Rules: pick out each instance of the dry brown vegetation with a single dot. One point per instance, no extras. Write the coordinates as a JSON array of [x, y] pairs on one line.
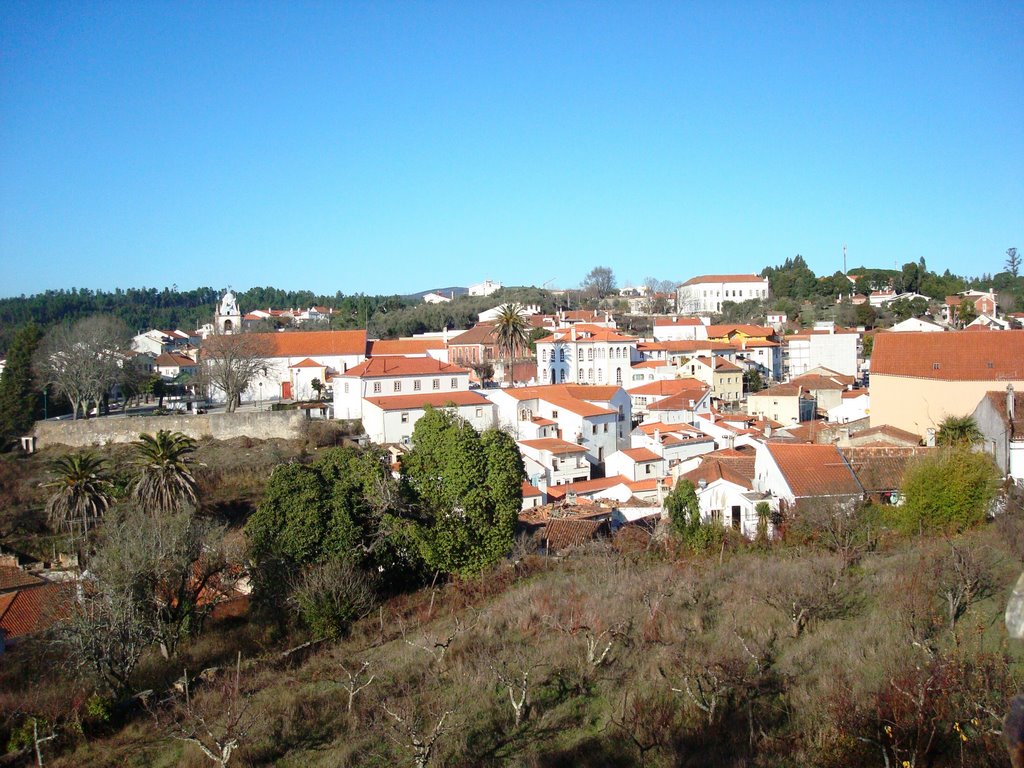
[[824, 652]]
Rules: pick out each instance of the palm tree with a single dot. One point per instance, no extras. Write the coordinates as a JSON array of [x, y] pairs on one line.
[[959, 430], [510, 333], [81, 492], [165, 482]]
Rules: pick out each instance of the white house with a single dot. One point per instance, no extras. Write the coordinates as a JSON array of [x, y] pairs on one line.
[[829, 347], [170, 365], [597, 418], [554, 461], [435, 298], [855, 405], [585, 354], [675, 443], [391, 376], [914, 324], [642, 396], [792, 472], [679, 328], [486, 288], [726, 496], [706, 293], [636, 464], [392, 419]]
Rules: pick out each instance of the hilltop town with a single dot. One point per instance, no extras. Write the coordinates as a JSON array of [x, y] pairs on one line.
[[672, 474]]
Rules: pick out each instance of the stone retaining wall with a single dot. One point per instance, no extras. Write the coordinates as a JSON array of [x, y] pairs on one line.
[[263, 425]]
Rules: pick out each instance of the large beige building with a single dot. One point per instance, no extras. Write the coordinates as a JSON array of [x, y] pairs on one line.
[[918, 379]]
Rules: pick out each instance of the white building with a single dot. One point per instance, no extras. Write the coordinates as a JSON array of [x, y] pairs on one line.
[[678, 328], [228, 318], [831, 347], [706, 294], [595, 417], [552, 461], [486, 288], [392, 419], [726, 495], [435, 298], [585, 354], [390, 376], [855, 405], [636, 464], [916, 324]]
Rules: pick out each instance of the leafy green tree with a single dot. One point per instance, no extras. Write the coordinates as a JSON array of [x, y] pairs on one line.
[[868, 346], [81, 492], [752, 380], [1012, 261], [18, 396], [511, 334], [947, 491], [968, 312], [685, 521], [466, 490], [291, 521], [959, 430], [164, 481], [866, 315]]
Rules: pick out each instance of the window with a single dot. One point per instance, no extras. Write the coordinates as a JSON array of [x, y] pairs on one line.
[[543, 355], [398, 386], [561, 355], [606, 427], [545, 374], [648, 469], [346, 387], [590, 353], [554, 464], [416, 385], [405, 417], [376, 386], [437, 383], [554, 414], [455, 383], [479, 412]]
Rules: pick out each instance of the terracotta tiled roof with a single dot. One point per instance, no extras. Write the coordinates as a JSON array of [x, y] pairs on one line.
[[530, 491], [483, 333], [573, 398], [641, 455], [12, 577], [716, 469], [543, 422], [813, 381], [435, 399], [881, 470], [34, 609], [311, 343], [307, 363], [585, 334], [553, 445], [170, 359], [666, 387], [586, 486], [814, 470], [888, 433], [382, 347], [779, 390], [725, 279], [950, 356], [562, 534], [681, 401], [377, 367]]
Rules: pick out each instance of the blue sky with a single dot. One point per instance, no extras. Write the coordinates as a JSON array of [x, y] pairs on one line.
[[394, 147]]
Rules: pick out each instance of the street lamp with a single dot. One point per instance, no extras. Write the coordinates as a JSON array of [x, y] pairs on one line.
[[261, 395]]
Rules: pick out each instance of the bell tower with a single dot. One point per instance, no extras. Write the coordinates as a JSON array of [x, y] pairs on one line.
[[228, 318]]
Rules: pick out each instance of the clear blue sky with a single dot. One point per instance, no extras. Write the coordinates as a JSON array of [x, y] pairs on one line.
[[383, 147]]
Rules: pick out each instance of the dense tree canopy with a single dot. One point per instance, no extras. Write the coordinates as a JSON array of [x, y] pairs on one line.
[[467, 491], [950, 490], [19, 396]]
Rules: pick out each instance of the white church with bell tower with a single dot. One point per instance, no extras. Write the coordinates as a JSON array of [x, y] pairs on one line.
[[228, 318]]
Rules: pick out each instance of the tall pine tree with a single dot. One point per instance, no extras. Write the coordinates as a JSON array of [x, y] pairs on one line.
[[19, 399]]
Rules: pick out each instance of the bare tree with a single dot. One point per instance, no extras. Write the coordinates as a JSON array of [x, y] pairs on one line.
[[599, 638], [219, 728], [85, 360], [599, 282], [647, 721], [233, 362], [437, 645], [173, 567], [354, 681], [411, 733], [804, 590], [105, 634], [962, 579], [513, 674]]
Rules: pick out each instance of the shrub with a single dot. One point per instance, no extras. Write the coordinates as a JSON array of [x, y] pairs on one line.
[[949, 491], [333, 595]]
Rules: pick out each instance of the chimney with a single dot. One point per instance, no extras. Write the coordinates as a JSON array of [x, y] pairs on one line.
[[929, 439], [730, 441], [572, 331], [844, 437], [657, 436]]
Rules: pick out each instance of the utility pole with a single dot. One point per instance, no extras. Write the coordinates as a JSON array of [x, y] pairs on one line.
[[844, 258]]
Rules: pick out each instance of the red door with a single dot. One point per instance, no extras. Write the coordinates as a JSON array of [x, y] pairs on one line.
[[286, 390]]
